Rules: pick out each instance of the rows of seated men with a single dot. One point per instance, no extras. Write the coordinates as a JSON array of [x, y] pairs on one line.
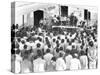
[[38, 50]]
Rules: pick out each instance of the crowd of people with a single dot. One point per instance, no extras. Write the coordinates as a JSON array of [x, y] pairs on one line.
[[40, 50]]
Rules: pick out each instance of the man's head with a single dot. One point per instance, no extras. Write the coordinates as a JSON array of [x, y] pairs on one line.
[[61, 48], [70, 43], [67, 51], [19, 40], [65, 37], [12, 51], [40, 39], [23, 42], [25, 46], [17, 51], [53, 59], [38, 45], [17, 26], [57, 50], [73, 46], [49, 46], [91, 44], [60, 55], [54, 40], [82, 53], [58, 37], [48, 50], [39, 53], [57, 42], [62, 40]]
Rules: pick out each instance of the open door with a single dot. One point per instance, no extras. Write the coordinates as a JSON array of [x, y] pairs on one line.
[[38, 15]]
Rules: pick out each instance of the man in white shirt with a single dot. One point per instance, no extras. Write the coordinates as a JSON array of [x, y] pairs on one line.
[[37, 47], [18, 60], [48, 56], [62, 44], [84, 60], [53, 43], [45, 48], [60, 63], [51, 49], [21, 45], [73, 36], [39, 63], [26, 66], [55, 18], [68, 59], [92, 55], [28, 45], [75, 63], [32, 44]]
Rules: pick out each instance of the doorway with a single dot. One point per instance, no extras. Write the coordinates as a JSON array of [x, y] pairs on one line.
[[38, 15]]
